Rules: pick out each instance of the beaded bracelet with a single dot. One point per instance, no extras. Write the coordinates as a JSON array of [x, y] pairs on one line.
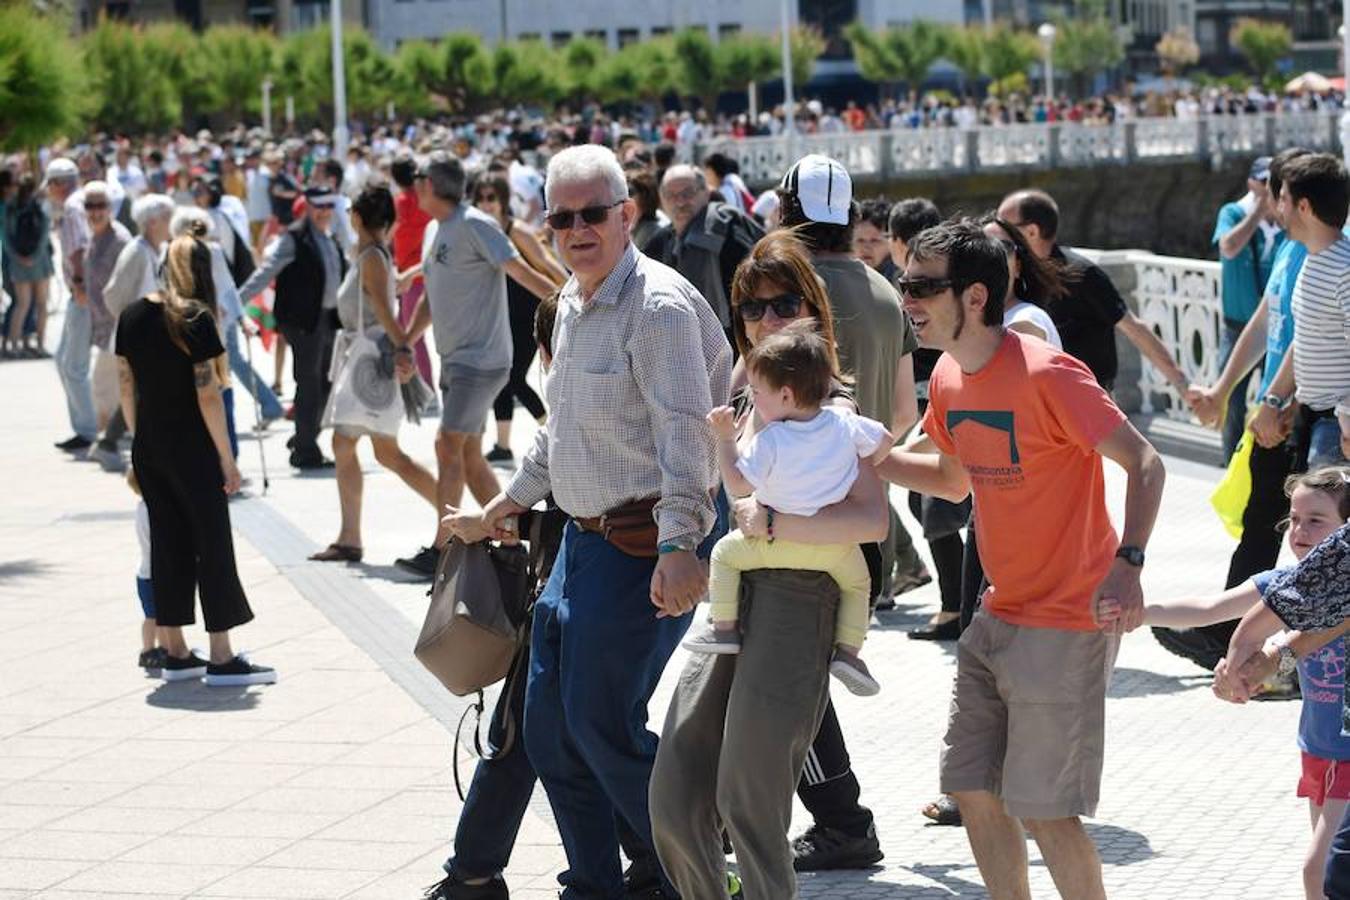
[[768, 513]]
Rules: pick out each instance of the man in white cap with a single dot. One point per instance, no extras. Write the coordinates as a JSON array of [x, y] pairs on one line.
[[875, 342], [73, 352]]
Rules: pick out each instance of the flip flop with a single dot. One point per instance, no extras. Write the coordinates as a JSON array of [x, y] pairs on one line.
[[338, 553], [943, 811]]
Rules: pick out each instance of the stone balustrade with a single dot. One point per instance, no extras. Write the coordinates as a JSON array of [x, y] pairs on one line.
[[925, 152]]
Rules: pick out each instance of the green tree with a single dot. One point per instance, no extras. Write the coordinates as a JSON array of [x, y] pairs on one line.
[[805, 44], [747, 59], [525, 73], [1176, 50], [305, 72], [418, 64], [1087, 44], [905, 53], [581, 61], [1008, 53], [41, 80], [643, 71], [698, 69], [466, 79], [1263, 43], [964, 48], [175, 50], [239, 59], [131, 91]]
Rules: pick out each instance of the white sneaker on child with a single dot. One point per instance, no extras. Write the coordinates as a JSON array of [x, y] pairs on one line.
[[714, 640], [852, 671]]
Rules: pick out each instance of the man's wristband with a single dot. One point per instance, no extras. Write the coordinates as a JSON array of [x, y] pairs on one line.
[[673, 547]]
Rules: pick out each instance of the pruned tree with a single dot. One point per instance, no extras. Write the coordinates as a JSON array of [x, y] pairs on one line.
[[42, 94], [904, 53], [1264, 44]]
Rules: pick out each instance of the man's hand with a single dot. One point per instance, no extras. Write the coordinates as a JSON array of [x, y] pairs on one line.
[[1120, 590], [469, 527], [724, 424], [678, 583], [1271, 426], [1207, 406], [751, 518], [497, 515]]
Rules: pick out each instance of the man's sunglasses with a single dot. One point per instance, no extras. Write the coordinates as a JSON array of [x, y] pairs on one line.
[[563, 220], [95, 205], [923, 288], [785, 306]]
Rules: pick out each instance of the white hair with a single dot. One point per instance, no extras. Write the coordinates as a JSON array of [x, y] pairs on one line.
[[184, 216], [589, 162], [96, 189], [150, 207]]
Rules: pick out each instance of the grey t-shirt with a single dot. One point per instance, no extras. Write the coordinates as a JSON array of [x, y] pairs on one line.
[[466, 288]]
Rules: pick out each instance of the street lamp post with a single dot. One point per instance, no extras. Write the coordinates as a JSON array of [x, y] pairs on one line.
[[1344, 33], [789, 104], [267, 106], [1047, 35], [340, 133]]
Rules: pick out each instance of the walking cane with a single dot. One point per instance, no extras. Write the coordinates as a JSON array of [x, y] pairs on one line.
[[257, 407]]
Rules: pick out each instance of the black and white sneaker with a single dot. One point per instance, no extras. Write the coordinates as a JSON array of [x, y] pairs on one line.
[[76, 444], [182, 669], [152, 660], [237, 672], [500, 454], [421, 564]]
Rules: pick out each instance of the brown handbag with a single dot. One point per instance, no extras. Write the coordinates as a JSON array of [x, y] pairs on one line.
[[631, 528]]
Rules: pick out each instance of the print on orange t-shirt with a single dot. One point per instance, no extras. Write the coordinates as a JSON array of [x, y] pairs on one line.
[[1025, 428]]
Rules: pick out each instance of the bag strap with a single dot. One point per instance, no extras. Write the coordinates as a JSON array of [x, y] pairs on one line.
[[475, 707]]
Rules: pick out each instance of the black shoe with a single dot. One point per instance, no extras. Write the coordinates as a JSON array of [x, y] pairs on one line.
[[422, 563], [452, 888], [175, 669], [75, 444], [152, 660], [238, 672], [498, 453], [947, 631], [309, 463], [820, 848], [642, 879], [1188, 643]]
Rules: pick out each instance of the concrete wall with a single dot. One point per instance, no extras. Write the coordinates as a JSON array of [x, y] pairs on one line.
[[1168, 209]]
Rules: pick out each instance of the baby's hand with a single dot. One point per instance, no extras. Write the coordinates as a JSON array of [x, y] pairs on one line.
[[723, 422]]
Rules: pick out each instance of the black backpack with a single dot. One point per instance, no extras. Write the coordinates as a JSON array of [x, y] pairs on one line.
[[28, 225]]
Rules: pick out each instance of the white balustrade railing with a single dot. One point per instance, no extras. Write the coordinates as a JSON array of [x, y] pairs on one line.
[[879, 155]]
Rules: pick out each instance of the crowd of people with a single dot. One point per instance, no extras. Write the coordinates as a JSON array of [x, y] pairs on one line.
[[733, 381]]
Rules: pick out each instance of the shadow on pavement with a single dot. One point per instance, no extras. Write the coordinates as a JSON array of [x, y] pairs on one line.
[[388, 573], [107, 515], [1119, 846], [197, 697], [1127, 682], [22, 568], [952, 886]]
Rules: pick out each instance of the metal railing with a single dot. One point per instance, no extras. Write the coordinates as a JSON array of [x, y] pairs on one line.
[[884, 155]]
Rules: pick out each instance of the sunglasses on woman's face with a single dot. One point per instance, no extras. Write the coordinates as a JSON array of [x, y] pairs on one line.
[[563, 220], [923, 288], [784, 306]]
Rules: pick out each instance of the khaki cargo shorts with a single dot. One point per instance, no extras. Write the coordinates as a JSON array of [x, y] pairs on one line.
[[1028, 717]]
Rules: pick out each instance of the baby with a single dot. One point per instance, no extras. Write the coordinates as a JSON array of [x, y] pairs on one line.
[[804, 459]]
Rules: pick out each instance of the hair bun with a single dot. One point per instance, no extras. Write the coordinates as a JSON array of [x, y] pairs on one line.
[[197, 229]]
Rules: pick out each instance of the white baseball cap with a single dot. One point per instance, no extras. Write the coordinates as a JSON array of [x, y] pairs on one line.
[[822, 187], [60, 168]]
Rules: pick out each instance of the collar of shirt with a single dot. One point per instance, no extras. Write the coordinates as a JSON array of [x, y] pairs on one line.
[[611, 289]]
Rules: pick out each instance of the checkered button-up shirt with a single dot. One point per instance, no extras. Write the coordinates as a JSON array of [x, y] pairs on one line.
[[636, 368]]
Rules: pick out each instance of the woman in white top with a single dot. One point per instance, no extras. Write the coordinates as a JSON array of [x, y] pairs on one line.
[[1032, 284]]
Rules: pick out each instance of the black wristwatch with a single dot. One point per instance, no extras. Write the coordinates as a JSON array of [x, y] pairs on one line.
[[1132, 555]]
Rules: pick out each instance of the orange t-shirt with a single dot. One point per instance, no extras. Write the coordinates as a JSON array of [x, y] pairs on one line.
[[1026, 427]]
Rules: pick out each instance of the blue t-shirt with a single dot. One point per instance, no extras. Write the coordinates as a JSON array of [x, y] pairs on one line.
[[1321, 678], [1280, 308], [1244, 276]]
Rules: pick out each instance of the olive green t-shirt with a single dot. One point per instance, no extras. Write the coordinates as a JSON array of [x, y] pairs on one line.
[[872, 330]]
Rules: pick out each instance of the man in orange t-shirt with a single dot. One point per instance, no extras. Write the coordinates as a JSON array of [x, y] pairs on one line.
[[410, 224], [1024, 427]]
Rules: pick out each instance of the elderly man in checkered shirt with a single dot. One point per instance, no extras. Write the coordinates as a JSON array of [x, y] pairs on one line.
[[639, 359]]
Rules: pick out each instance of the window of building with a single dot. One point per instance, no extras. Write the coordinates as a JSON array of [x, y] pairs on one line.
[[727, 30], [560, 38], [628, 36], [529, 36], [598, 34], [658, 30], [1207, 35]]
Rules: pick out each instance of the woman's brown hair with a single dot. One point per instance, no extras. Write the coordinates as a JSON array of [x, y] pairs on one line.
[[190, 290], [780, 258], [1042, 281], [1333, 481]]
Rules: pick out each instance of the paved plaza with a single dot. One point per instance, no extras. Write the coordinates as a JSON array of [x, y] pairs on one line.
[[336, 782]]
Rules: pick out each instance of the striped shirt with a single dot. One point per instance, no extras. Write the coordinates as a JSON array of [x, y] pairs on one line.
[[636, 369], [1321, 306]]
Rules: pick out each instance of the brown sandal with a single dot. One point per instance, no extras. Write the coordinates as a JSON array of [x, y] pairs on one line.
[[338, 553]]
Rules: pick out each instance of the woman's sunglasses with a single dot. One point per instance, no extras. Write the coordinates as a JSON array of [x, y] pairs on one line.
[[785, 306], [591, 215]]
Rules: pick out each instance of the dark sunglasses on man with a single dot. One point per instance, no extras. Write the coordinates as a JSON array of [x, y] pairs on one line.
[[923, 288], [785, 306], [95, 204], [563, 219]]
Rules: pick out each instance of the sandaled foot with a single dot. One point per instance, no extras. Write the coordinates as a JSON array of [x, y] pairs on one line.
[[943, 811], [338, 553]]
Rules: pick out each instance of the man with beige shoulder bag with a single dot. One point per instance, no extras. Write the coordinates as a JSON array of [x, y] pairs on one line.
[[639, 359]]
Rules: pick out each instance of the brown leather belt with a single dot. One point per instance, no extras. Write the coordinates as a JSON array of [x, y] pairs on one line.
[[630, 527]]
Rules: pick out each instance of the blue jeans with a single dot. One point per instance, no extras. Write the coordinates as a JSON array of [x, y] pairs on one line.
[[1337, 883], [1324, 443], [72, 364], [251, 380], [597, 653], [1235, 420]]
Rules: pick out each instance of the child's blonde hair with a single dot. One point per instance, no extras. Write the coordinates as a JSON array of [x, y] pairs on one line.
[[1334, 481]]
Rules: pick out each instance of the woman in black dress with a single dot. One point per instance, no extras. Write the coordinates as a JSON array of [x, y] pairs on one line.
[[171, 362]]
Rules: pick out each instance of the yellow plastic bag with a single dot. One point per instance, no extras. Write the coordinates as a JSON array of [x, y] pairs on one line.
[[1235, 488]]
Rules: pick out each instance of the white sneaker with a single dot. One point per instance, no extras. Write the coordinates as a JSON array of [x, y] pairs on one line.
[[852, 671], [713, 640]]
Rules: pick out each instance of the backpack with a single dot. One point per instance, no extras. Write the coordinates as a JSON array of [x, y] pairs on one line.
[[28, 226]]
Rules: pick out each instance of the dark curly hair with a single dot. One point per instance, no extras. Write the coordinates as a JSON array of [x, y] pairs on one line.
[[376, 206]]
